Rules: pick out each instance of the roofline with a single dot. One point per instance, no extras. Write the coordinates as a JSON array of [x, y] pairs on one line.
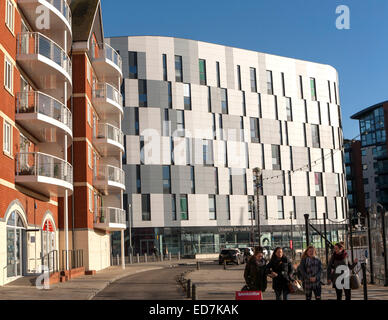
[[223, 45], [357, 115]]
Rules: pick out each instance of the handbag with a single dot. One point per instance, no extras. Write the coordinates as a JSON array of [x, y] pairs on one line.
[[295, 287], [355, 282]]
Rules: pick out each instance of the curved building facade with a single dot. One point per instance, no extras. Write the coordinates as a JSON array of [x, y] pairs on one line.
[[199, 117]]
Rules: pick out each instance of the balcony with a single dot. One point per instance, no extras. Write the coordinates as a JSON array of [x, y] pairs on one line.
[[110, 219], [47, 65], [59, 18], [44, 117], [109, 140], [107, 100], [110, 179], [43, 173], [107, 64]]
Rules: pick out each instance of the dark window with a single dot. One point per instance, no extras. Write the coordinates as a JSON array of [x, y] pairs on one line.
[[251, 208], [202, 72], [187, 96], [230, 181], [318, 184], [301, 87], [239, 77], [216, 184], [335, 92], [224, 101], [212, 207], [136, 121], [209, 100], [315, 135], [253, 79], [269, 82], [164, 58], [313, 89], [218, 74], [166, 123], [227, 205], [244, 104], [207, 152], [169, 93], [184, 207], [283, 85], [276, 157], [178, 69], [138, 179], [254, 130], [132, 65], [173, 207], [143, 93], [146, 207], [289, 109], [259, 105], [313, 208], [166, 179], [181, 123], [280, 208], [192, 179]]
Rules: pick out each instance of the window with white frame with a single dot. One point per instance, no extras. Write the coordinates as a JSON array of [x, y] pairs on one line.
[[10, 15], [90, 200], [8, 74], [88, 72], [89, 115], [7, 138], [90, 156]]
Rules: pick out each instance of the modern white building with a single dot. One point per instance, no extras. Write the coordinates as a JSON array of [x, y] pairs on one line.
[[199, 117]]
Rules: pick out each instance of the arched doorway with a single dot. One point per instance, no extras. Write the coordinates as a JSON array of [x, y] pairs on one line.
[[16, 234], [48, 244]]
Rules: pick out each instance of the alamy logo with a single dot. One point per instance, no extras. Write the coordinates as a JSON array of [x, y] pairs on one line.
[[43, 281], [343, 20], [342, 281], [43, 20]]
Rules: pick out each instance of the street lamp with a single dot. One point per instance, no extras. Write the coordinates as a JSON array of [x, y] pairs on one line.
[[378, 205], [372, 276], [252, 205], [257, 173], [130, 227]]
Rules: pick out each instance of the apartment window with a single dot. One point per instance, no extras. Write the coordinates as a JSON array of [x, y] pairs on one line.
[[95, 165], [166, 179], [259, 105], [301, 87], [138, 179], [218, 74], [224, 101], [90, 200], [192, 179], [164, 60], [173, 207], [188, 151], [8, 75], [169, 93], [283, 85], [133, 69], [7, 138], [318, 184], [280, 208], [253, 79], [251, 208], [184, 207], [313, 202], [241, 129], [335, 92], [221, 127], [212, 207], [269, 82], [239, 77], [89, 72], [146, 207], [137, 127], [143, 93], [202, 72], [254, 130], [227, 206], [207, 152], [90, 158], [181, 123], [178, 69], [10, 16], [166, 123], [216, 184], [209, 100], [187, 96], [315, 135], [329, 88], [313, 89], [89, 115], [289, 109], [230, 181], [275, 157], [244, 104], [172, 146]]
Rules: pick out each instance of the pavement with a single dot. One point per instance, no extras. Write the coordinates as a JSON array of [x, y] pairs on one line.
[[84, 287], [215, 283]]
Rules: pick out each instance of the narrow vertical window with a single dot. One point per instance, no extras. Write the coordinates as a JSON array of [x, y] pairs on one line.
[[181, 123], [137, 127], [280, 208], [230, 181], [221, 127], [239, 77], [289, 109], [301, 87], [166, 123], [209, 99], [187, 96], [164, 60], [251, 208], [254, 130], [224, 101], [192, 179], [313, 201], [169, 93], [7, 138], [184, 207], [166, 179], [242, 129], [227, 206], [8, 75], [253, 79], [318, 184], [188, 151], [283, 85], [138, 179], [269, 82], [244, 104], [335, 92], [173, 207], [178, 69], [10, 15], [216, 184], [329, 88], [259, 105], [218, 74], [212, 207], [146, 207], [276, 157], [133, 69], [315, 135], [313, 89], [143, 93], [202, 72]]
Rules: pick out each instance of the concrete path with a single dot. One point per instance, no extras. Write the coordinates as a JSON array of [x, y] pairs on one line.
[[214, 283], [82, 288]]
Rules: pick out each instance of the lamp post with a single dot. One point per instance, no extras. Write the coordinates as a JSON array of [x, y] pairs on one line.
[[372, 276], [292, 235], [130, 227], [384, 243], [252, 205], [257, 173], [351, 235]]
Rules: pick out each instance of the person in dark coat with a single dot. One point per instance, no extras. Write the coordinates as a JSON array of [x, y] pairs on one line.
[[280, 270], [255, 271], [338, 264], [310, 269]]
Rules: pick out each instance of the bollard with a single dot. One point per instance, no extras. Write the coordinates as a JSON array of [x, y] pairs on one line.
[[161, 257], [138, 257], [364, 280], [130, 258], [145, 258], [179, 255], [224, 264], [118, 259], [154, 255], [169, 256], [188, 289], [194, 294], [198, 266]]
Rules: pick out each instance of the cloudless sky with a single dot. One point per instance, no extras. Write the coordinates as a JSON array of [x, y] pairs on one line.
[[303, 29]]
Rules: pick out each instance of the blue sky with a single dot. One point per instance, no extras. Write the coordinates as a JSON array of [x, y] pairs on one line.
[[303, 29]]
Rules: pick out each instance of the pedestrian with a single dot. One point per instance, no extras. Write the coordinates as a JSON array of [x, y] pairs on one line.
[[339, 265], [310, 269], [255, 271], [280, 270]]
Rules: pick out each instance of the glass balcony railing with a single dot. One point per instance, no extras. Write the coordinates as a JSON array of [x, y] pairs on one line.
[[36, 43], [110, 215], [107, 91], [111, 173], [107, 131], [40, 164], [112, 55], [38, 102], [63, 7]]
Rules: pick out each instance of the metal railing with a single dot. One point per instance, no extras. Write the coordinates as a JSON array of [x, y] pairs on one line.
[[51, 261], [111, 173], [106, 91], [63, 7], [107, 131], [111, 215], [76, 259], [37, 43], [107, 52], [38, 102], [40, 164]]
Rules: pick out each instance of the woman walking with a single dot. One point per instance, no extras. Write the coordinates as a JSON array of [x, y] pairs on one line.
[[255, 271], [280, 270], [339, 264], [310, 269]]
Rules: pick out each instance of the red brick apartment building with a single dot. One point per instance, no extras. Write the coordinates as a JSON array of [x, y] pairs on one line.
[[61, 145]]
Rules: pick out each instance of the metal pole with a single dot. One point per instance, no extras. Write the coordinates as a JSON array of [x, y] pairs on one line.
[[257, 173], [130, 226], [364, 280], [194, 294], [292, 236], [372, 275], [306, 218], [351, 237], [122, 250], [384, 246], [326, 242]]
